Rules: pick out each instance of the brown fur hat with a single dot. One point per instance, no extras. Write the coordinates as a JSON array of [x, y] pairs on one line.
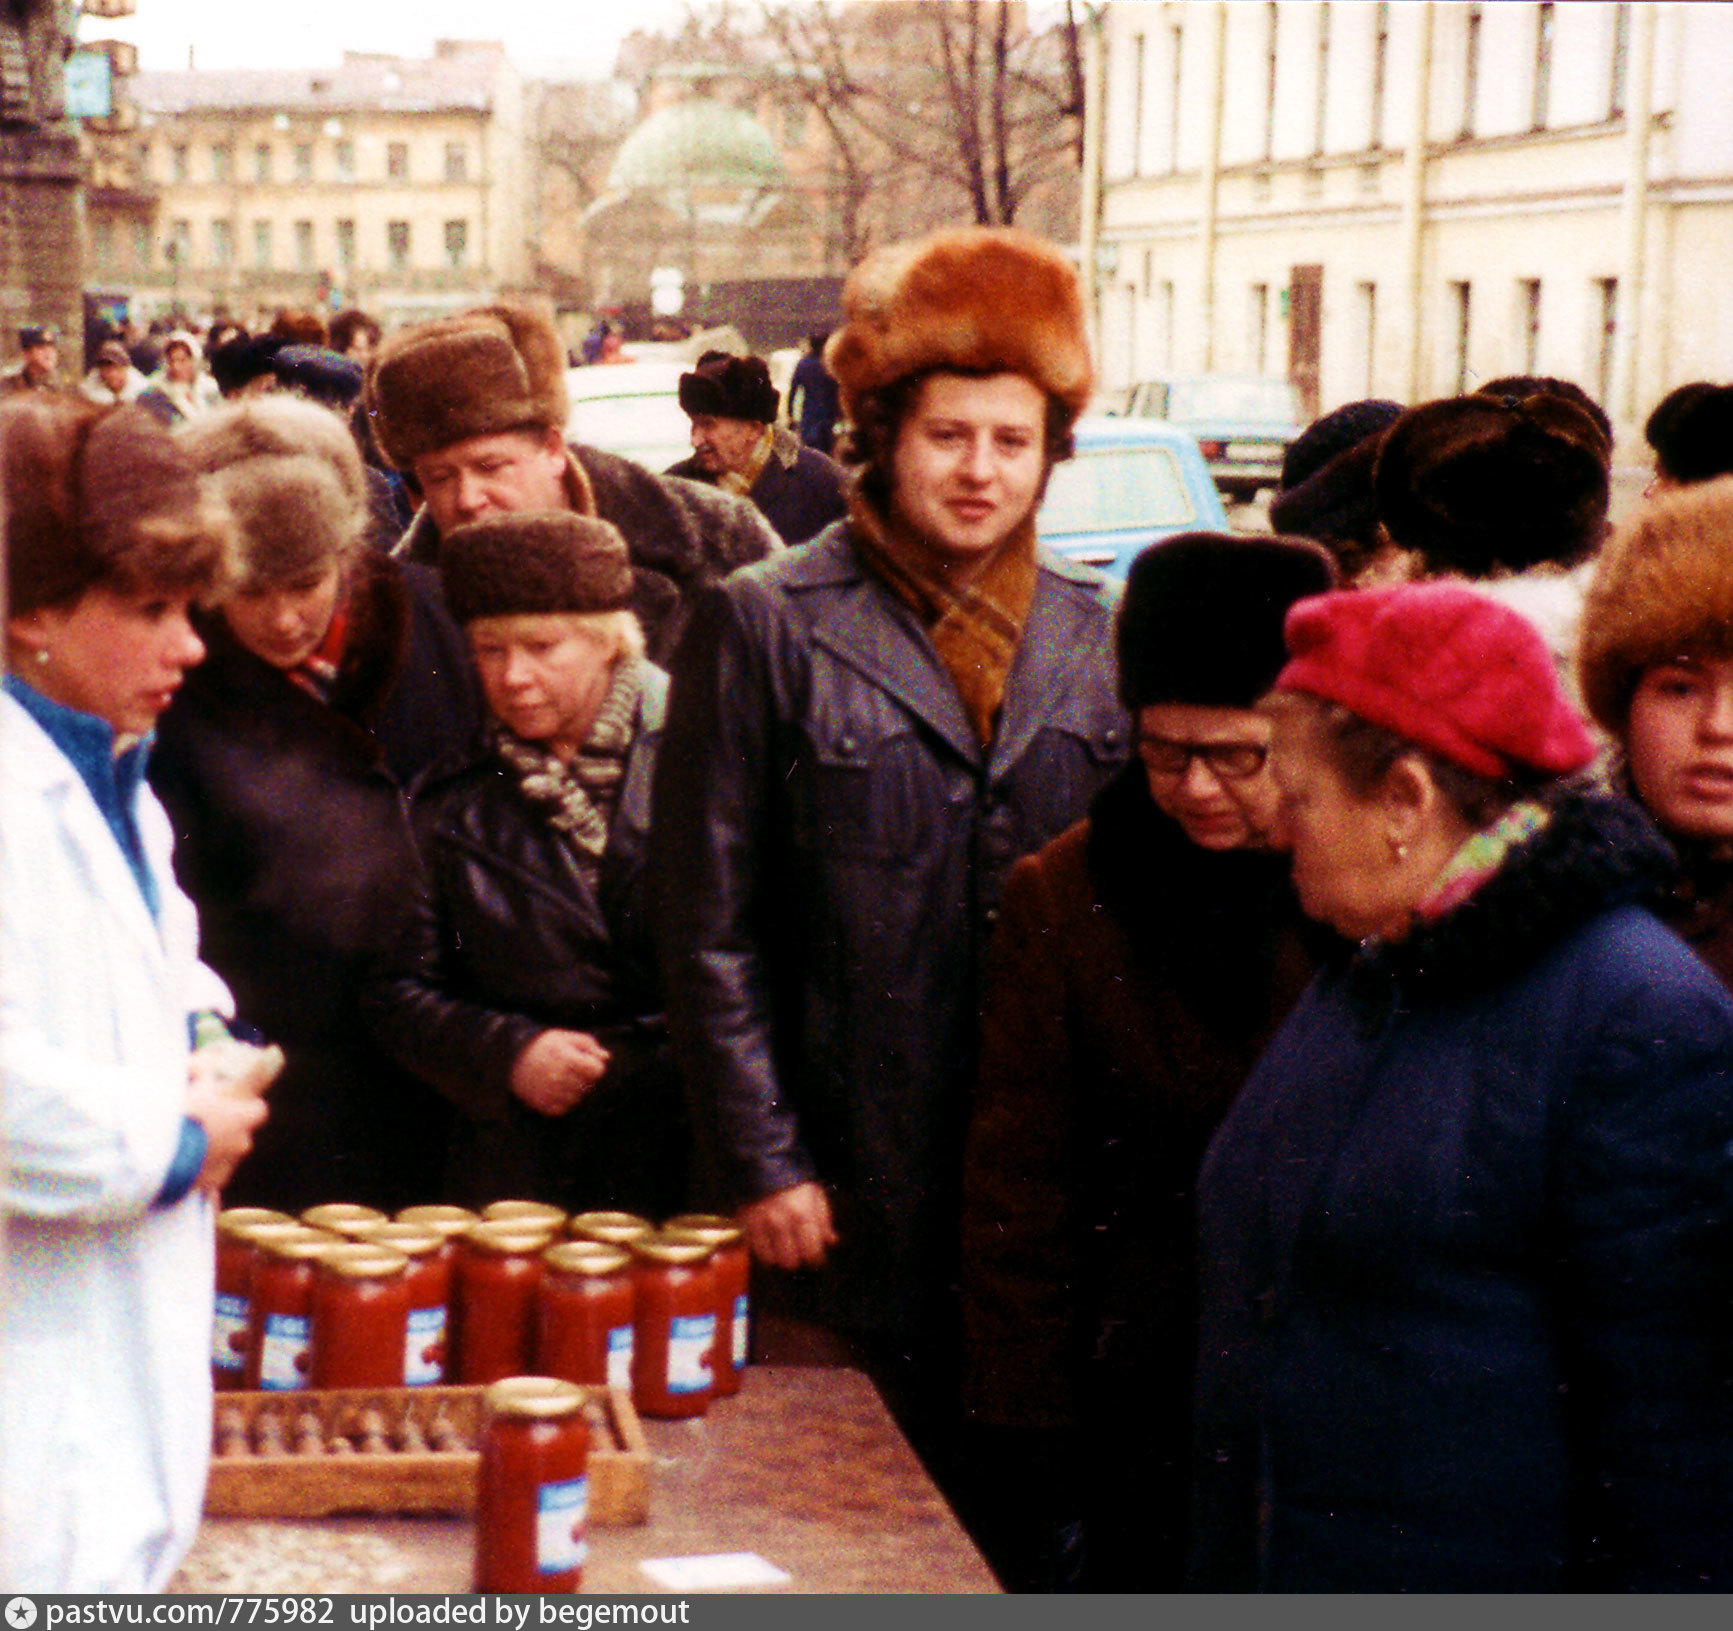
[[1663, 587], [496, 368], [974, 299], [102, 496], [1477, 484], [292, 477], [534, 561]]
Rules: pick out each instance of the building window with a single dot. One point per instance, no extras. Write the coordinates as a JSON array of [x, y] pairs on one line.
[[1148, 274], [457, 244], [397, 161], [262, 162], [1139, 50], [141, 243], [1167, 325], [456, 161], [1321, 99], [345, 158], [222, 163], [1176, 68], [222, 243], [1471, 70], [1380, 69], [1609, 293], [1460, 294], [346, 243], [102, 243], [1368, 297], [1619, 67], [397, 245], [303, 161], [1259, 346], [303, 246], [177, 162], [1528, 308], [179, 249], [1543, 33], [1272, 23], [262, 245]]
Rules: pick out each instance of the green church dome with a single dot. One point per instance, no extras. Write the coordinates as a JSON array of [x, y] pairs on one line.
[[696, 143]]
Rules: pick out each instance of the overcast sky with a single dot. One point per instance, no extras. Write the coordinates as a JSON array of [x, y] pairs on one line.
[[315, 33]]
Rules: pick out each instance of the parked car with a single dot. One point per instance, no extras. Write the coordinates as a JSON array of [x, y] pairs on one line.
[[632, 409], [1244, 423], [1132, 482]]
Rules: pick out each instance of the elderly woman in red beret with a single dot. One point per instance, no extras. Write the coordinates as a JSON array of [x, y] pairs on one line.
[[1464, 1236]]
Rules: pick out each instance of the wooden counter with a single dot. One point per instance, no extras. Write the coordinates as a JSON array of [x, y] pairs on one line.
[[803, 1467]]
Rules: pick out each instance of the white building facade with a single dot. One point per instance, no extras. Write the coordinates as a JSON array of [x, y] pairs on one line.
[[1406, 200]]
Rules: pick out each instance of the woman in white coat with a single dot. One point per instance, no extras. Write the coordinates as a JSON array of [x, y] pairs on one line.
[[117, 1136]]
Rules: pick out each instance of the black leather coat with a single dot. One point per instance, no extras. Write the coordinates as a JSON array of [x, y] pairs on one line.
[[510, 940], [830, 840]]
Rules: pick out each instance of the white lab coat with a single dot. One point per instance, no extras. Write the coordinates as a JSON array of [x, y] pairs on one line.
[[105, 1314]]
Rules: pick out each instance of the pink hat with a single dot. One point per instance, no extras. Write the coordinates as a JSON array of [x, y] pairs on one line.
[[1444, 667]]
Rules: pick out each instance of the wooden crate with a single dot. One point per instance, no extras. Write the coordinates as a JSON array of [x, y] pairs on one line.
[[391, 1465]]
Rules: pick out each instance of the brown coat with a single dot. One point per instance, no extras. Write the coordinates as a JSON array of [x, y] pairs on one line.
[[1133, 982]]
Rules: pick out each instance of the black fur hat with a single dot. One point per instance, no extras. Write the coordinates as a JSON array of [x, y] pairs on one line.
[[1201, 619], [534, 561], [1327, 475], [1691, 431], [729, 387]]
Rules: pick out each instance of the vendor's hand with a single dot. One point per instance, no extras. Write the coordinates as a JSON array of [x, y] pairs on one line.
[[558, 1069], [228, 1102], [791, 1229]]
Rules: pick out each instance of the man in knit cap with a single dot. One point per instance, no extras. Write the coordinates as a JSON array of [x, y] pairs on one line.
[[864, 735], [472, 410]]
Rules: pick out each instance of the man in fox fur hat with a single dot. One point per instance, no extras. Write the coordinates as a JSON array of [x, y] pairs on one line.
[[472, 410], [865, 733]]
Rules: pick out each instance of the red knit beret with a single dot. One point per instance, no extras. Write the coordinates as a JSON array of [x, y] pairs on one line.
[[1444, 667]]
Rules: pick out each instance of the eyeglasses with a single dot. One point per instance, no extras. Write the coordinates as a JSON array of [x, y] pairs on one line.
[[1232, 761]]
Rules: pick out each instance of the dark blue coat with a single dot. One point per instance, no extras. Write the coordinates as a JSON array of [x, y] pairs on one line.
[[800, 490], [1467, 1276]]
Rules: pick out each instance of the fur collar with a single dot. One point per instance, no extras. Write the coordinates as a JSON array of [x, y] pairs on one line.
[[1598, 852]]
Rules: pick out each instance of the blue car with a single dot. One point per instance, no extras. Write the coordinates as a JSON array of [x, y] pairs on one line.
[[1243, 423], [1132, 482]]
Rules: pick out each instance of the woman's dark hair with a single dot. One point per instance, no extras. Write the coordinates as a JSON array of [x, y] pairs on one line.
[[1691, 431], [872, 437], [347, 324], [1364, 753]]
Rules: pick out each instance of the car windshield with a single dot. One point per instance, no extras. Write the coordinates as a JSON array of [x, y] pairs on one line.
[[613, 421], [1271, 400], [1114, 490]]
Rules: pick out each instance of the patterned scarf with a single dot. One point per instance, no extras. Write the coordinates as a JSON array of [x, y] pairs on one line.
[[578, 799], [1480, 856], [974, 625], [743, 480]]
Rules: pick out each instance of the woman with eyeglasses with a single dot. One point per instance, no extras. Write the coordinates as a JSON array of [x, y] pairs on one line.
[[1140, 963]]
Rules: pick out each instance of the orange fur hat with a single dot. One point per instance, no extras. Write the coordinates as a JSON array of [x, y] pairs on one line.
[[975, 299]]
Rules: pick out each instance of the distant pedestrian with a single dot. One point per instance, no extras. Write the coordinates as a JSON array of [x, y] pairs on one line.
[[180, 390], [38, 365], [812, 396], [113, 379]]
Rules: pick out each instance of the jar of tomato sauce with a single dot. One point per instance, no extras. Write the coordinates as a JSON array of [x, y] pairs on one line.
[[732, 1267], [431, 1255], [536, 1212], [532, 1491], [280, 1339], [237, 1257], [360, 1316], [499, 1266], [341, 1217], [611, 1228], [674, 1327], [584, 1313]]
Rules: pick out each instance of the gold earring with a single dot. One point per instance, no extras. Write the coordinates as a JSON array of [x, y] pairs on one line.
[[1398, 850], [42, 657]]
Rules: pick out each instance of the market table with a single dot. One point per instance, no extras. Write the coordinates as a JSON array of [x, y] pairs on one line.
[[803, 1467]]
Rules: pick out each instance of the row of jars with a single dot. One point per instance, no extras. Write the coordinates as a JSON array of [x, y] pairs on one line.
[[347, 1297]]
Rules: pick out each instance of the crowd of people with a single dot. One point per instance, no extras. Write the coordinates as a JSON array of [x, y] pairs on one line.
[[1244, 1060]]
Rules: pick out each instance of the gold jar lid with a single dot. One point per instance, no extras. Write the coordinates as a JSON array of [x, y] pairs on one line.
[[295, 1243], [524, 1212], [542, 1397], [342, 1216], [236, 1222], [519, 1239], [448, 1220], [669, 1246], [586, 1257], [711, 1226], [412, 1239], [613, 1228], [362, 1260]]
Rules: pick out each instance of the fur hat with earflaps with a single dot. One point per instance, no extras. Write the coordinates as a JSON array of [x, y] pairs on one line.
[[494, 369], [980, 300], [1663, 588], [534, 561]]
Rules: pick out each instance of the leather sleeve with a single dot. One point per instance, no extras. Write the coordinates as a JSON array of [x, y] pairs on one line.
[[711, 859]]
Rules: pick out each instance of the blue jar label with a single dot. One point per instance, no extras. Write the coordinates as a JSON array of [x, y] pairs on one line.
[[424, 1347], [283, 1356], [689, 1340], [229, 1332], [561, 1511]]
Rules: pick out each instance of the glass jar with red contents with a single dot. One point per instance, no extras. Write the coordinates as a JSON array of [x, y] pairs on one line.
[[237, 1257], [431, 1255], [539, 1213], [341, 1217], [499, 1266], [360, 1316], [584, 1313], [532, 1490], [280, 1338], [732, 1267], [450, 1221], [611, 1228], [674, 1326]]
